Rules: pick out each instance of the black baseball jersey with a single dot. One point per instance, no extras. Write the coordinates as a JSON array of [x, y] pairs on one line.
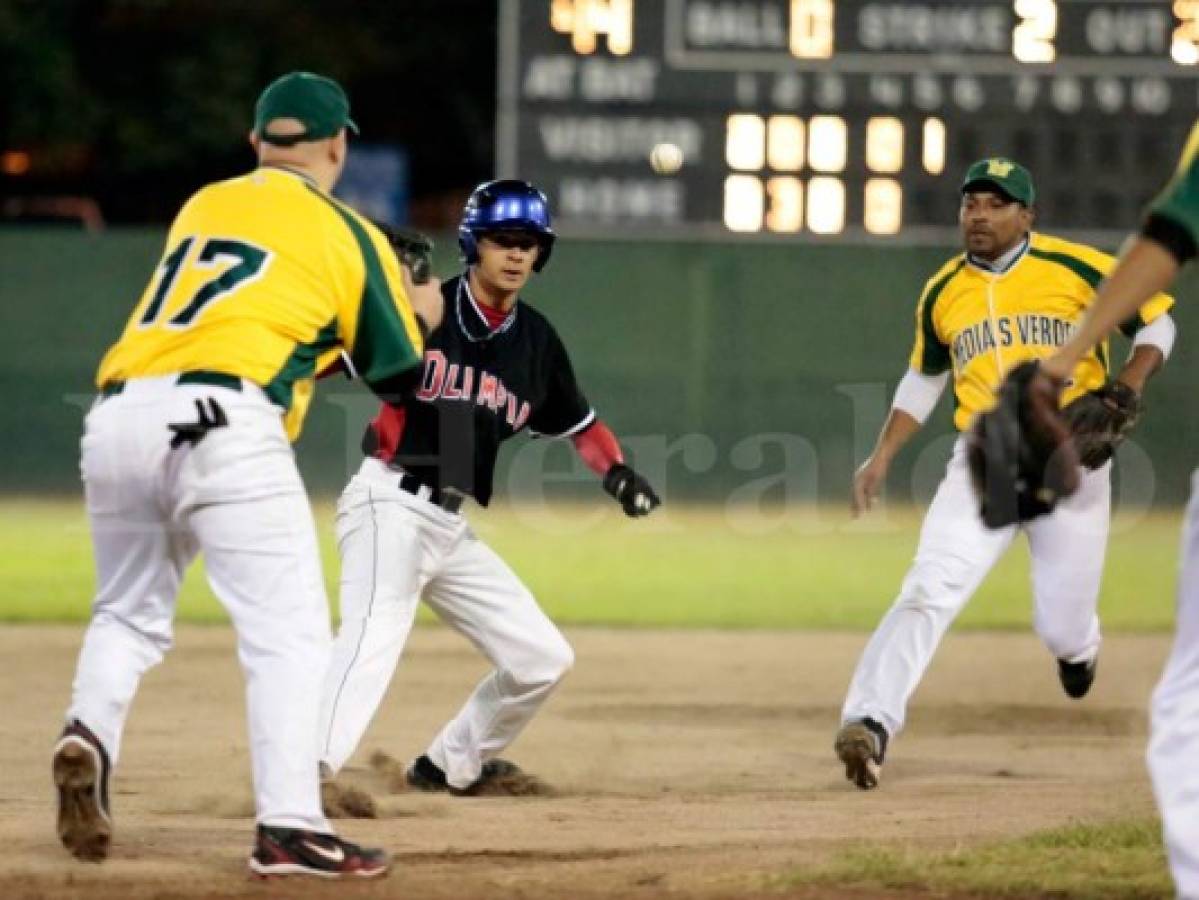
[[478, 388]]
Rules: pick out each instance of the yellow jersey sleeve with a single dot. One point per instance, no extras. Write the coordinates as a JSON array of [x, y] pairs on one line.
[[1153, 308], [375, 320]]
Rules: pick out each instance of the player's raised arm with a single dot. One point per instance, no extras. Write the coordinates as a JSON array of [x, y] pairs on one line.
[[1169, 238], [384, 317]]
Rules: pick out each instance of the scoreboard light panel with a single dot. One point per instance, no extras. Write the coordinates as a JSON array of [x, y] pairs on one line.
[[817, 118]]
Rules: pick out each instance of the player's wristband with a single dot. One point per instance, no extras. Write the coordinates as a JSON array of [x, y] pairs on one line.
[[617, 479]]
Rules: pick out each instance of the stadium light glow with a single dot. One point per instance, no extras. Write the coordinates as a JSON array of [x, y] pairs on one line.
[[933, 149], [785, 214], [785, 143], [884, 144], [883, 206], [828, 142], [744, 203], [745, 142], [826, 205]]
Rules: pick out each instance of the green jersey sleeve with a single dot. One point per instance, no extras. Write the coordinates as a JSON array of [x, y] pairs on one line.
[[1173, 218]]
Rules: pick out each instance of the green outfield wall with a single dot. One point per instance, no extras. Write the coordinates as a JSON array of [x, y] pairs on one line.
[[735, 372]]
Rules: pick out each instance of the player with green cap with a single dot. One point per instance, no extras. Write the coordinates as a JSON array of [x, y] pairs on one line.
[[262, 276], [301, 106], [1005, 176], [1011, 296]]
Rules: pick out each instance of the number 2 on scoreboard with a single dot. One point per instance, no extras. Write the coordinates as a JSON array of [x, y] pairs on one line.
[[1032, 38]]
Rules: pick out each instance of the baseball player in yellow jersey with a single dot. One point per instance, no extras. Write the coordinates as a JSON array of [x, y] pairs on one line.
[[1013, 295], [1168, 240], [186, 450]]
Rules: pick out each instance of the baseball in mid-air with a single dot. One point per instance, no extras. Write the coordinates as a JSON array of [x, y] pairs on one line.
[[666, 159]]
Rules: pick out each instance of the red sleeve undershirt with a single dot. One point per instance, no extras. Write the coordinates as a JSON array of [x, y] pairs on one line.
[[598, 448]]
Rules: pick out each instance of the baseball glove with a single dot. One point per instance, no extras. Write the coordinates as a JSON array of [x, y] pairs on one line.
[[1101, 419], [1020, 454], [415, 250]]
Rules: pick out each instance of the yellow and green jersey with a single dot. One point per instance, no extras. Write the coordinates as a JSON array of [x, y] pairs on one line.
[[261, 276], [980, 324]]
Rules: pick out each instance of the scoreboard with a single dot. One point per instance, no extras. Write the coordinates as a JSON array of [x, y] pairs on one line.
[[839, 118]]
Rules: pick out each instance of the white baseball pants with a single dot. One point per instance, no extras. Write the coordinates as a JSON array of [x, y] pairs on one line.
[[236, 496], [1174, 738], [394, 546], [955, 553]]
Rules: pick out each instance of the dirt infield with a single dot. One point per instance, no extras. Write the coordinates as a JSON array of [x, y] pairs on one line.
[[689, 764]]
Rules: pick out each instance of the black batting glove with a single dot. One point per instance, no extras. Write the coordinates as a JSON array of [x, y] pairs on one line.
[[631, 491]]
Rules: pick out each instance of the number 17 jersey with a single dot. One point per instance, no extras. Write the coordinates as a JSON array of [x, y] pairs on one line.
[[262, 275]]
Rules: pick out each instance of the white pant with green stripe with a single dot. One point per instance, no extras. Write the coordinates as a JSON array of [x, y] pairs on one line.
[[955, 553], [236, 497], [1174, 741]]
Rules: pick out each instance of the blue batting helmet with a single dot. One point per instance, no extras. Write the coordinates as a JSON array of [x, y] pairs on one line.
[[506, 205]]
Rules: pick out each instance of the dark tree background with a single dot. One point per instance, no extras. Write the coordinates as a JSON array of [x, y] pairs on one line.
[[137, 102]]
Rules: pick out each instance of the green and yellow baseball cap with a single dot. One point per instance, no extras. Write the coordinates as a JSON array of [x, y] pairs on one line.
[[1004, 175], [316, 101]]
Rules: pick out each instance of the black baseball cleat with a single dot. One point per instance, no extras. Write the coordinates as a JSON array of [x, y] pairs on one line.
[[1078, 677], [80, 768], [426, 775], [294, 851], [861, 746]]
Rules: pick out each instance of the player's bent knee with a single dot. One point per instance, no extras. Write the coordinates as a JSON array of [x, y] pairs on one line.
[[558, 661], [550, 666], [158, 640], [562, 660], [929, 591]]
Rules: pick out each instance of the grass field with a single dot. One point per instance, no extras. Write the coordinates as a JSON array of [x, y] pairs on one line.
[[1083, 862], [689, 567], [706, 567]]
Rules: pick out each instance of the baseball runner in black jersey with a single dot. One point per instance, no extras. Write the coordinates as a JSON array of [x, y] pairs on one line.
[[494, 367]]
